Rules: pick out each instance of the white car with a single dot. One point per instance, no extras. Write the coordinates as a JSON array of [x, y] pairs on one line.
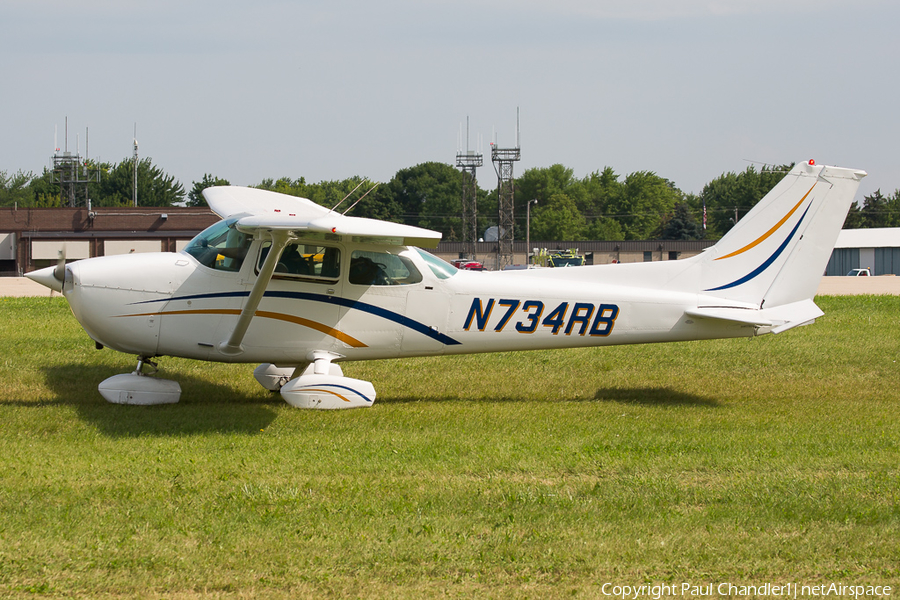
[[859, 273]]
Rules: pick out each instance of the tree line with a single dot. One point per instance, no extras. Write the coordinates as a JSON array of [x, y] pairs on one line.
[[600, 206]]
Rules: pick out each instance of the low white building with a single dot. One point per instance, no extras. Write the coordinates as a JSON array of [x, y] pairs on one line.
[[876, 249]]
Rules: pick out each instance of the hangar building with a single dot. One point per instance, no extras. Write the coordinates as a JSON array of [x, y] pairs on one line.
[[878, 249]]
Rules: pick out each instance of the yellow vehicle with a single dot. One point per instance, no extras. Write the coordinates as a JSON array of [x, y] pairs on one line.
[[565, 258]]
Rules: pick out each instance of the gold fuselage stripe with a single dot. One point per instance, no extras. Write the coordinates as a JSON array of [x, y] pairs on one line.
[[339, 335], [767, 234]]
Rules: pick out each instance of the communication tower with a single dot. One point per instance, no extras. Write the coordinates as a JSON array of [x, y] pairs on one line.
[[469, 161], [71, 171], [503, 159], [134, 169]]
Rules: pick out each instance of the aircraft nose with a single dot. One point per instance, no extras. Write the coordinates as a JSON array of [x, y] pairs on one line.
[[47, 278]]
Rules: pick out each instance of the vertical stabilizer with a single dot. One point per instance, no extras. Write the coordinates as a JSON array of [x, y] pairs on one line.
[[777, 253]]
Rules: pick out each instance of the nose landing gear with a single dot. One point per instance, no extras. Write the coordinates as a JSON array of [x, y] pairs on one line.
[[140, 388]]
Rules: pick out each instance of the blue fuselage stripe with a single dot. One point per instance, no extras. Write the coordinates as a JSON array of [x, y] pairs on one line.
[[344, 302], [768, 261]]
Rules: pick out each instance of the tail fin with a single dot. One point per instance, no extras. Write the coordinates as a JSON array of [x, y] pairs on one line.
[[777, 253]]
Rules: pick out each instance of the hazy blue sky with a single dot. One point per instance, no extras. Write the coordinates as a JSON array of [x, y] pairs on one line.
[[326, 90]]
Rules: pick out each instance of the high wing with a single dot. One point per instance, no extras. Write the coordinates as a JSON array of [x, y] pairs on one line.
[[256, 210]]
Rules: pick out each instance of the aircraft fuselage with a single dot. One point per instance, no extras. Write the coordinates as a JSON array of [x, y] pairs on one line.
[[169, 304]]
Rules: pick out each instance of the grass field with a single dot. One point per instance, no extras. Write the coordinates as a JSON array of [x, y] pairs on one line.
[[525, 475]]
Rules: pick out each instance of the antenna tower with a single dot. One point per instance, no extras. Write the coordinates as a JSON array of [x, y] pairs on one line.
[[469, 161], [134, 169], [71, 170], [503, 159]]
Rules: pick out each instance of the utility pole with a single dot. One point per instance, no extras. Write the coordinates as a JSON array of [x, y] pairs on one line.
[[528, 233]]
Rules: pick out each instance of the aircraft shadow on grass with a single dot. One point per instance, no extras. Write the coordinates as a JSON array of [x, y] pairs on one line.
[[653, 397], [205, 407], [661, 397]]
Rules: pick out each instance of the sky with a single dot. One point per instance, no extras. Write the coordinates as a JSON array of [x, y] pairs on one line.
[[326, 90]]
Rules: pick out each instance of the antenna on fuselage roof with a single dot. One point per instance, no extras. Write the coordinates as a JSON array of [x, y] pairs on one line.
[[360, 198], [348, 195]]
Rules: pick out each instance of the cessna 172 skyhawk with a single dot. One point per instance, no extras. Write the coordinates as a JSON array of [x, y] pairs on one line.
[[300, 288]]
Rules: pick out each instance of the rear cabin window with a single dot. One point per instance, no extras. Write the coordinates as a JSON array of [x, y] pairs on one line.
[[382, 268]]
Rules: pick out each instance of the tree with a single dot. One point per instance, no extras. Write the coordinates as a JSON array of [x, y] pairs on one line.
[[602, 190], [877, 210], [732, 195], [557, 219], [378, 203], [46, 193], [429, 195], [543, 183], [15, 189], [645, 200], [286, 185], [681, 225], [343, 194], [367, 199], [195, 196], [604, 228], [154, 187]]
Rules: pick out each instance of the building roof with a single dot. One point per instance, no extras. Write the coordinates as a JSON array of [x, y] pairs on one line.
[[881, 237]]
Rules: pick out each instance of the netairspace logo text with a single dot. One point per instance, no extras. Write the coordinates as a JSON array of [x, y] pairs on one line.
[[786, 590]]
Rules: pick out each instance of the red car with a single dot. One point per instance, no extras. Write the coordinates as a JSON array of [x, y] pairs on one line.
[[468, 265]]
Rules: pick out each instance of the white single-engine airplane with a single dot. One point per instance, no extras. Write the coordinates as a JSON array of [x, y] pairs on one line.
[[300, 288]]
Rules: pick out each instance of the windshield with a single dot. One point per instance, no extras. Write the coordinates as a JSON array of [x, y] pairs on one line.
[[440, 268], [220, 246]]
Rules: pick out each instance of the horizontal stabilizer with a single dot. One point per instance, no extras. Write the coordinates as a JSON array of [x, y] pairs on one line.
[[734, 315], [775, 320], [792, 315]]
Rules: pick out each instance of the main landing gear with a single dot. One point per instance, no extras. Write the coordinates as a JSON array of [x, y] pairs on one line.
[[321, 385]]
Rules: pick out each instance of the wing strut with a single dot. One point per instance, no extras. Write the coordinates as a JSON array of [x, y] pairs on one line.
[[232, 347]]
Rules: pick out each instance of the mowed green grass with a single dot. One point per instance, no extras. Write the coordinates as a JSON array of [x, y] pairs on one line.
[[533, 474]]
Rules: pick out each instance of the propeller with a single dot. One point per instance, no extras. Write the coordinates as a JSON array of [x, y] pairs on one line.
[[52, 277], [59, 273]]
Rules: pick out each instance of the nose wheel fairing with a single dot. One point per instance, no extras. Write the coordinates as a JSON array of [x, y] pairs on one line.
[[139, 388]]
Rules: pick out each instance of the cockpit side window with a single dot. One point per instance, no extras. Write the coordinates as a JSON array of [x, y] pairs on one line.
[[220, 246], [382, 268], [305, 261]]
